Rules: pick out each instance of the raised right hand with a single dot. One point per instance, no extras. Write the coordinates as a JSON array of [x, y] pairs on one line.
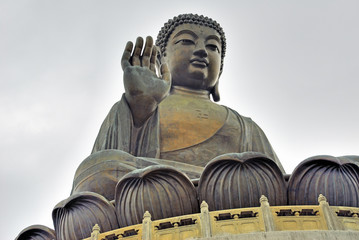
[[144, 90]]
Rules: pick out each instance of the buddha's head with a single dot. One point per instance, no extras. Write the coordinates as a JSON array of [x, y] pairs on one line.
[[194, 47]]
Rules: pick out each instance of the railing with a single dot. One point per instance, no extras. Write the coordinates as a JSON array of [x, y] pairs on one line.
[[236, 221]]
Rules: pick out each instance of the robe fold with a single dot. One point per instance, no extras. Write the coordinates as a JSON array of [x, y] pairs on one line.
[[238, 134]]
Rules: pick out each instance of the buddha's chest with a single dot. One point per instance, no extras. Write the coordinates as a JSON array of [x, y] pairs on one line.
[[186, 121]]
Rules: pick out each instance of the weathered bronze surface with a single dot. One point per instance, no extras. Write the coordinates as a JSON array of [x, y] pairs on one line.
[[74, 217], [163, 191], [36, 232], [238, 180], [101, 171], [169, 115], [337, 178]]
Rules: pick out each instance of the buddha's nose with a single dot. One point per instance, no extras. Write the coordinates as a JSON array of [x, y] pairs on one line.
[[200, 50]]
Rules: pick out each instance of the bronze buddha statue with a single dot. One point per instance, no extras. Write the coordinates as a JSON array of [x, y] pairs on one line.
[[171, 116], [156, 142], [166, 116]]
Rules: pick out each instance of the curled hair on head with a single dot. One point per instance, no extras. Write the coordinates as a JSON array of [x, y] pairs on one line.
[[169, 27]]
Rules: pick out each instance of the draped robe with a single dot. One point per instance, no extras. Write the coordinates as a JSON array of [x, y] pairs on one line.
[[237, 134]]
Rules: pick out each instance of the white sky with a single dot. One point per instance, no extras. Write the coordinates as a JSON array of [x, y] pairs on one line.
[[292, 66]]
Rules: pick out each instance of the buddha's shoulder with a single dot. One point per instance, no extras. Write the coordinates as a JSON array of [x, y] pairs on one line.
[[240, 117]]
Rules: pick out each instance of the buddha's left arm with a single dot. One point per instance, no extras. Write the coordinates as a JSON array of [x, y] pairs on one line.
[[260, 143]]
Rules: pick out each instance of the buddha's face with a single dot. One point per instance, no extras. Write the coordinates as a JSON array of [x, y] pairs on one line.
[[193, 55]]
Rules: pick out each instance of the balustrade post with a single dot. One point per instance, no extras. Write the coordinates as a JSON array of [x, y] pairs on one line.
[[205, 221], [95, 232], [146, 226], [267, 214], [330, 218]]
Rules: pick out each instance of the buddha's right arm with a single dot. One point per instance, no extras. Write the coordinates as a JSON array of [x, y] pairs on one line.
[[116, 132]]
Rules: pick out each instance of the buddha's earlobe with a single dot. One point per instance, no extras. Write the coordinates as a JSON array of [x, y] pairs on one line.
[[215, 92], [159, 57]]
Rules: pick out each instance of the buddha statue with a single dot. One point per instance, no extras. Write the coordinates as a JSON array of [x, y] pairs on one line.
[[156, 141], [166, 146], [170, 115], [166, 115]]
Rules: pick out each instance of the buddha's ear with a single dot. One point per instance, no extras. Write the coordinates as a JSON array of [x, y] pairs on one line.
[[215, 92], [158, 55]]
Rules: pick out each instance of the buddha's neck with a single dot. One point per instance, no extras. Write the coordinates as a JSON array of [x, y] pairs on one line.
[[178, 90]]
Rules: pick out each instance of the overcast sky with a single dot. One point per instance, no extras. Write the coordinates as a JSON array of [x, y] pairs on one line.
[[292, 66]]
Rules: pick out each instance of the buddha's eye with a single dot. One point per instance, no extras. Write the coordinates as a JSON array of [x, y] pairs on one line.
[[212, 47], [185, 41]]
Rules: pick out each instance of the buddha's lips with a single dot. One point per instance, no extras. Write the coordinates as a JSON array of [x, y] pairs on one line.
[[199, 62]]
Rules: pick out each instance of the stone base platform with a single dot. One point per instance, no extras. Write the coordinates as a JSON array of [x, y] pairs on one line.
[[290, 235], [320, 222]]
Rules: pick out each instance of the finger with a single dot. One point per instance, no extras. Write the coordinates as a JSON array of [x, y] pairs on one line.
[[125, 60], [137, 52], [153, 59], [165, 73], [147, 52]]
